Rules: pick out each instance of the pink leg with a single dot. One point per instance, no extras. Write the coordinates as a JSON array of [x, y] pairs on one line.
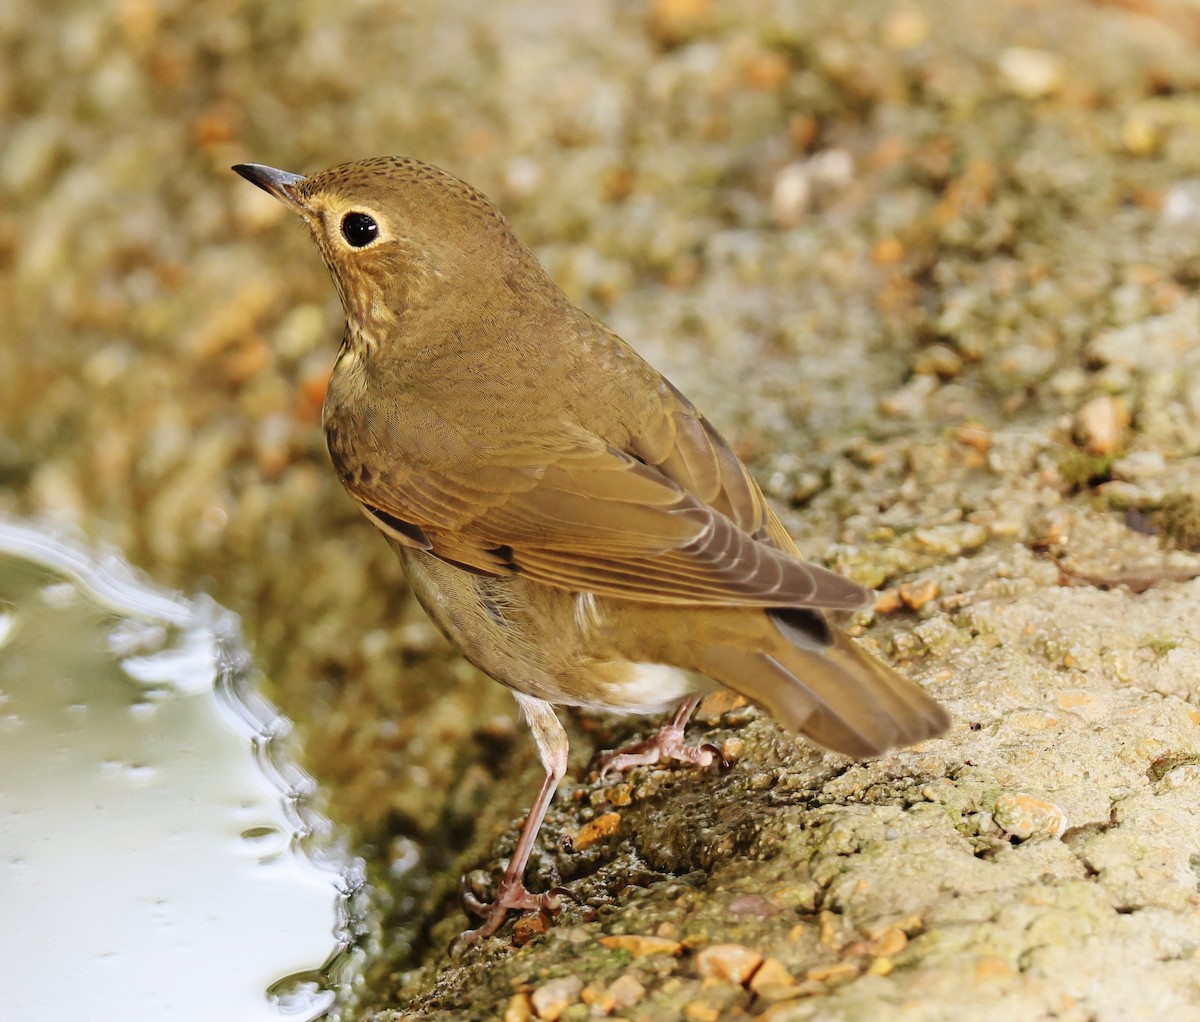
[[512, 894], [665, 743]]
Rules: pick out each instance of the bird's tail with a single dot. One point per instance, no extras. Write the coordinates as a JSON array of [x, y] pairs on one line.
[[816, 680]]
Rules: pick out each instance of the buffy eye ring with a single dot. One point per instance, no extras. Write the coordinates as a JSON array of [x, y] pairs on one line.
[[359, 229]]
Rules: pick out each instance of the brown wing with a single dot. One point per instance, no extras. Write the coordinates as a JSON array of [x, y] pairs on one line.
[[598, 520], [686, 448]]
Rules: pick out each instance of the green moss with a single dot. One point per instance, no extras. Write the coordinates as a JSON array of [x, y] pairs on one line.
[[1081, 470], [1179, 521], [1160, 645]]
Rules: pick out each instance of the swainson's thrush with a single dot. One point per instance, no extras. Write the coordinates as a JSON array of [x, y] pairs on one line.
[[565, 515]]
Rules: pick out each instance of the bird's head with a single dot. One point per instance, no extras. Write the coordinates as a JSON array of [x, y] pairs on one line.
[[397, 234]]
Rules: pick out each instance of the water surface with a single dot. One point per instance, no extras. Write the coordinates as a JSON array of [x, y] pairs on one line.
[[152, 831]]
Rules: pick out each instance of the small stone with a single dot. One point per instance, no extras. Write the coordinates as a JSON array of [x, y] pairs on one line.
[[1100, 424], [830, 936], [887, 601], [939, 360], [1025, 817], [626, 991], [993, 967], [975, 436], [883, 943], [953, 539], [675, 21], [733, 749], [528, 927], [1139, 134], [772, 973], [620, 794], [766, 70], [1030, 73], [791, 195], [733, 963], [551, 999], [698, 1011], [519, 1009], [597, 996], [641, 945], [837, 972], [1140, 466], [888, 942], [595, 830], [887, 251], [752, 905], [910, 399], [716, 704], [904, 28], [915, 595]]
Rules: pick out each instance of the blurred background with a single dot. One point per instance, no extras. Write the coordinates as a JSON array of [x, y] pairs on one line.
[[927, 264]]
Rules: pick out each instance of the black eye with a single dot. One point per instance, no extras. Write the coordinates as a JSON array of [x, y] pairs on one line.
[[359, 229]]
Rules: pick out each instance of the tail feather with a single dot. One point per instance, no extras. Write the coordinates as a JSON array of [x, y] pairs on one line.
[[837, 694]]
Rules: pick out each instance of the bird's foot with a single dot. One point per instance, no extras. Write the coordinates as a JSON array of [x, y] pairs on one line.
[[666, 743], [511, 897]]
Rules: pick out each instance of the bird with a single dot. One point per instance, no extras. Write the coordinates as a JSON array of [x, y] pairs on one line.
[[564, 514]]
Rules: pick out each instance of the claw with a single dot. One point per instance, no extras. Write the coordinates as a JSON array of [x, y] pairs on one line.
[[665, 743], [719, 760], [562, 892], [510, 897], [471, 903]]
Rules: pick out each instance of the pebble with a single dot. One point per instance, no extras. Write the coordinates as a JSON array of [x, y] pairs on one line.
[[599, 998], [975, 436], [752, 905], [772, 973], [910, 399], [951, 540], [734, 963], [887, 601], [1025, 817], [595, 830], [626, 991], [1140, 466], [1030, 73], [1100, 424], [914, 595], [791, 195], [641, 945], [716, 704], [836, 972], [905, 27], [519, 1009], [528, 927], [882, 944], [675, 21], [551, 999]]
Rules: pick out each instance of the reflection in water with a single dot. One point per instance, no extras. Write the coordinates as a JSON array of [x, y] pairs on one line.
[[154, 863]]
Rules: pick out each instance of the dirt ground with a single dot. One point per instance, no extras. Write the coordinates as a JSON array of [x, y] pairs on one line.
[[931, 266]]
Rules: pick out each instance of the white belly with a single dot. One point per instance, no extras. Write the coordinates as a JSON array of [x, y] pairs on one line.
[[654, 688]]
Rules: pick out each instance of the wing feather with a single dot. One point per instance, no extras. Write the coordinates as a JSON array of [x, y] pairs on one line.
[[672, 518]]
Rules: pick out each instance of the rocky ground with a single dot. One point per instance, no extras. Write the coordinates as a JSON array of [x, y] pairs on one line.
[[931, 266]]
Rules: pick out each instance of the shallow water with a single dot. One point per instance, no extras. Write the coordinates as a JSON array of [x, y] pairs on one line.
[[159, 856]]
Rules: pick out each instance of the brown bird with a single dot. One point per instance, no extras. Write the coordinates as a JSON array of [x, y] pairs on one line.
[[565, 516]]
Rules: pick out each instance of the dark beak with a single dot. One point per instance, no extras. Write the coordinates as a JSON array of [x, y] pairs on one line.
[[279, 183]]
